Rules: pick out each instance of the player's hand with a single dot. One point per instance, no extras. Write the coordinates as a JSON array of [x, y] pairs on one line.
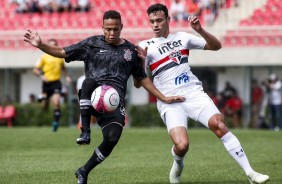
[[142, 53], [174, 99], [43, 78], [32, 37], [195, 23]]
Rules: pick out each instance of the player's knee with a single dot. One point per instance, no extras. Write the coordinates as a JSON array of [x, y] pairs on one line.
[[182, 147], [112, 136], [216, 124], [89, 85], [111, 139]]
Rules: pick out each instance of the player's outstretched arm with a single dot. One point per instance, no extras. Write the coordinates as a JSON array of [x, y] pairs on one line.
[[212, 42], [150, 87], [33, 38]]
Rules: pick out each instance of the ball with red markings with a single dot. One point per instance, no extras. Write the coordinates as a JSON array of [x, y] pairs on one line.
[[105, 99]]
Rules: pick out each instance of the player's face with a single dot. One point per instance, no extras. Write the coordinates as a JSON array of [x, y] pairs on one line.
[[53, 43], [112, 29], [159, 23]]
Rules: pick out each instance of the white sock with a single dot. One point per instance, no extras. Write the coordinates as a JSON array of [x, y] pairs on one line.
[[177, 159], [235, 149]]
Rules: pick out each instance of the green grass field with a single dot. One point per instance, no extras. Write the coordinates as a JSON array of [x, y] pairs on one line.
[[37, 155]]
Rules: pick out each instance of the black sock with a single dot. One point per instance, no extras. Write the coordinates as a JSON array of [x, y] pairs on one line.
[[111, 135], [57, 115]]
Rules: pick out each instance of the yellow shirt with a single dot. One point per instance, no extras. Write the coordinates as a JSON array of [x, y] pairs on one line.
[[51, 67]]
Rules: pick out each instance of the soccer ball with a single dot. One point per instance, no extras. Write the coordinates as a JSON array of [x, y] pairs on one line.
[[105, 99]]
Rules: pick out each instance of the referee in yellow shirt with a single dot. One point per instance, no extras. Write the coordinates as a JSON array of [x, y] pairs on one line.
[[49, 69]]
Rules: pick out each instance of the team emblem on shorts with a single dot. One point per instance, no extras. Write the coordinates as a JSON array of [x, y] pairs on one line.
[[182, 78], [127, 54]]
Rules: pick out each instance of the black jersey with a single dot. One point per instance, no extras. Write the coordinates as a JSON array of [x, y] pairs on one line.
[[106, 63]]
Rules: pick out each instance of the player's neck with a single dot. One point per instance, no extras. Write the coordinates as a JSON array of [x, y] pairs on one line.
[[165, 35], [119, 42]]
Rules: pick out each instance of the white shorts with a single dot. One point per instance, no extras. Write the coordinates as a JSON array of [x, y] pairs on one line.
[[197, 106]]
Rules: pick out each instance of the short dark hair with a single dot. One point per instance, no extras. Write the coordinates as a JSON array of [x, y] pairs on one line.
[[53, 40], [157, 7], [112, 14]]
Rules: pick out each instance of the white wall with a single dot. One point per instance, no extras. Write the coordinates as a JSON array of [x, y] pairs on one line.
[[29, 85], [139, 96]]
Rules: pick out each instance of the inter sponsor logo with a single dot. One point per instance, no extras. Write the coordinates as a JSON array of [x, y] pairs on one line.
[[169, 46], [182, 78]]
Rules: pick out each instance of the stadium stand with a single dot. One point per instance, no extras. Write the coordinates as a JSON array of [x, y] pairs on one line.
[[13, 24], [70, 27], [262, 28]]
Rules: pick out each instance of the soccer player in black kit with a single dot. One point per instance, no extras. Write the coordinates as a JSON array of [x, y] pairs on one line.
[[109, 60]]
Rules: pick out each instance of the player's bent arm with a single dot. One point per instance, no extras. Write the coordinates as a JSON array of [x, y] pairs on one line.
[[137, 83], [150, 87], [36, 72], [34, 39], [212, 42], [52, 50]]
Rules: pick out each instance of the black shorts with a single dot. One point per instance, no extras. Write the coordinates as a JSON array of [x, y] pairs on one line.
[[50, 88], [103, 119]]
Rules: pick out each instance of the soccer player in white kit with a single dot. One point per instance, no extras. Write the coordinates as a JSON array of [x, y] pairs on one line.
[[167, 57]]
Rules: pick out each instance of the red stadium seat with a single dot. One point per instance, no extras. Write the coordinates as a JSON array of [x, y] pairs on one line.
[[7, 114]]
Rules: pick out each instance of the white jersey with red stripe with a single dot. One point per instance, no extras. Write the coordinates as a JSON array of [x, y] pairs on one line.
[[168, 61]]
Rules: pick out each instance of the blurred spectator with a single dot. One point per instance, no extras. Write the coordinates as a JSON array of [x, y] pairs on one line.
[[228, 90], [221, 102], [193, 8], [46, 5], [213, 97], [262, 123], [62, 5], [33, 6], [233, 109], [178, 11], [275, 100], [21, 5], [256, 101], [210, 11], [32, 98], [82, 6]]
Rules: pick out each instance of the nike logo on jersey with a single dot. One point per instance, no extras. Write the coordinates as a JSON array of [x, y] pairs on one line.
[[103, 50]]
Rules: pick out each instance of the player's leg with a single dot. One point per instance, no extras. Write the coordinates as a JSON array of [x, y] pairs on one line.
[[111, 135], [88, 87], [278, 116], [211, 118], [44, 98], [46, 103], [176, 122], [55, 89], [56, 111]]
